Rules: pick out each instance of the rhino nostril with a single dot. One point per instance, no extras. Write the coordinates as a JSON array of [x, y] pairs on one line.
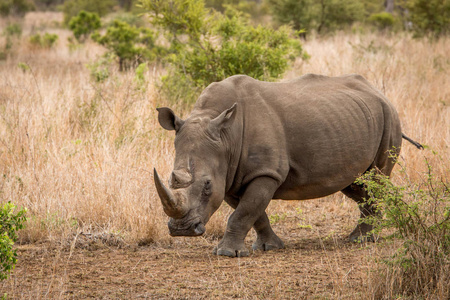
[[199, 229]]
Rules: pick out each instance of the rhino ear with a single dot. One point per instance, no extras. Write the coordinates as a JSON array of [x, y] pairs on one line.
[[224, 120], [168, 120]]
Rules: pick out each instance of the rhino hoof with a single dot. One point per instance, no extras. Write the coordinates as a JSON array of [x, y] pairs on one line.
[[362, 238], [267, 246], [230, 252], [362, 234]]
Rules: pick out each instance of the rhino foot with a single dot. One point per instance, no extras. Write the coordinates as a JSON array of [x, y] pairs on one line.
[[231, 248], [266, 244], [231, 252], [362, 234]]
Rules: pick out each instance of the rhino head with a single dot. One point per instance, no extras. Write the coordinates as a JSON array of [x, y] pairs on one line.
[[198, 181]]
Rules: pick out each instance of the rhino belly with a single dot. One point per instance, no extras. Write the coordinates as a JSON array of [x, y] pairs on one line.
[[328, 186]]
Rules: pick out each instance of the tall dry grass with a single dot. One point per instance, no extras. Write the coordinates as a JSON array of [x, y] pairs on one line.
[[79, 154]]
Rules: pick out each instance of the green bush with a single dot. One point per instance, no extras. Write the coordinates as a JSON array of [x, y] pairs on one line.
[[336, 14], [254, 8], [205, 46], [219, 5], [84, 24], [71, 8], [10, 223], [15, 7], [129, 18], [382, 20], [375, 6], [47, 5], [418, 217], [44, 41], [12, 34], [14, 29], [298, 13], [429, 17], [325, 15], [130, 44], [100, 69], [139, 77]]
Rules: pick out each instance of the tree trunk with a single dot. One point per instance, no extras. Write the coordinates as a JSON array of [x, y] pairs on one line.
[[389, 6]]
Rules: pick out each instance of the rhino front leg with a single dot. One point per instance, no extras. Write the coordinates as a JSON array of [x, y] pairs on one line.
[[250, 208], [266, 239]]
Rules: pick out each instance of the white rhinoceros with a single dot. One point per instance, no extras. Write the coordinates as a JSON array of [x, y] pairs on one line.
[[248, 141]]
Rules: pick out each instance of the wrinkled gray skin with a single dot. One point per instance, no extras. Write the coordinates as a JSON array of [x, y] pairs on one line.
[[248, 141]]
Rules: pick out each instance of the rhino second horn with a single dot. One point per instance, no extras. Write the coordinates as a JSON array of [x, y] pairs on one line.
[[170, 204]]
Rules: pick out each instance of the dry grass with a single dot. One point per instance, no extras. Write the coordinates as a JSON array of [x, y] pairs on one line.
[[80, 155]]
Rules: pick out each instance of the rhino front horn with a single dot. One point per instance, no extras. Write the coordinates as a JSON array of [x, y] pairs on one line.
[[170, 204]]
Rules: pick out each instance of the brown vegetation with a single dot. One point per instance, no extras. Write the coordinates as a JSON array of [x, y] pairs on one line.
[[79, 155]]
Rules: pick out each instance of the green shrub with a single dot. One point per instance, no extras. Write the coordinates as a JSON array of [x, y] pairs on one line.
[[130, 44], [84, 24], [429, 17], [14, 29], [325, 15], [15, 7], [255, 8], [44, 41], [24, 67], [382, 20], [12, 34], [205, 46], [10, 223], [100, 69], [298, 13], [139, 77], [375, 6], [71, 8], [219, 5], [418, 217], [337, 14], [47, 5], [129, 18]]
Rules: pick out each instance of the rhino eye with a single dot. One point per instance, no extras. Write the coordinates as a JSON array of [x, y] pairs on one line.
[[207, 188]]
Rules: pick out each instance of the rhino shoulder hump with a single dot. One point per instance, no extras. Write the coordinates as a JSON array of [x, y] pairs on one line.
[[357, 77], [312, 76]]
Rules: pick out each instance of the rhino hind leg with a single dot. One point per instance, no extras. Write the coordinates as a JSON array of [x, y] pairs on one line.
[[362, 231]]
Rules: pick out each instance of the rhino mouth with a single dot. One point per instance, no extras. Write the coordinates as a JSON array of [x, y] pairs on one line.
[[183, 228]]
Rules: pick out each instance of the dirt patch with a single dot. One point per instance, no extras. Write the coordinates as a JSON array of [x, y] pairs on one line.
[[311, 267]]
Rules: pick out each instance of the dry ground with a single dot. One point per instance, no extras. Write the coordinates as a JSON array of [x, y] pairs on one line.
[[79, 155], [317, 263]]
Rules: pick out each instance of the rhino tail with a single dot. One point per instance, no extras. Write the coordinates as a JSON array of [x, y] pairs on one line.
[[418, 145]]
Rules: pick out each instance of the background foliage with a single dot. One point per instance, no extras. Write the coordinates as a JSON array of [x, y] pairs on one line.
[[429, 17], [10, 223], [192, 43], [417, 216], [130, 44], [84, 24], [207, 46], [71, 8], [15, 7]]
